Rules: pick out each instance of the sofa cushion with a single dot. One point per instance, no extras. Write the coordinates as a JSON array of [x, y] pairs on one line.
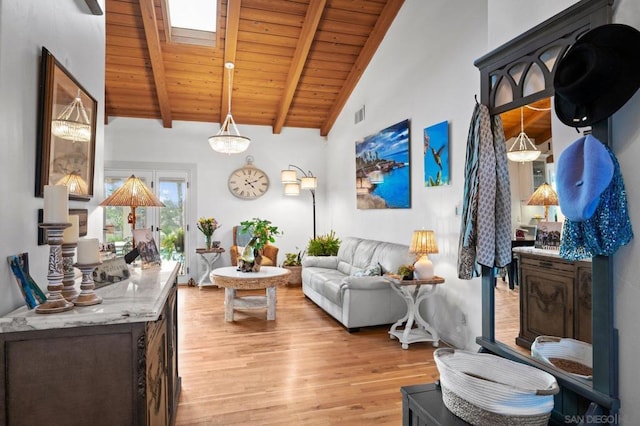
[[324, 281]]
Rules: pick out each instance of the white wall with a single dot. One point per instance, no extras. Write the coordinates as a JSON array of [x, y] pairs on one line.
[[76, 38], [147, 142], [430, 79]]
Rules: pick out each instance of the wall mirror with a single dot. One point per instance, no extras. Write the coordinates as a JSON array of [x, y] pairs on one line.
[[520, 73], [66, 132]]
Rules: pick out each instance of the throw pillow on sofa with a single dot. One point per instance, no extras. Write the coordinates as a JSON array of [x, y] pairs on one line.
[[370, 271]]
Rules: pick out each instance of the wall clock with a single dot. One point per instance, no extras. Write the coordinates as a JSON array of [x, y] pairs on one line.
[[248, 182]]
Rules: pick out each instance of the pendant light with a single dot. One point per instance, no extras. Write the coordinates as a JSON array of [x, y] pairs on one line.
[[228, 139], [73, 122], [522, 149]]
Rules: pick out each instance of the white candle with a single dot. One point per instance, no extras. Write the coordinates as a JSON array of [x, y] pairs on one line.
[[56, 204], [71, 234], [88, 251]]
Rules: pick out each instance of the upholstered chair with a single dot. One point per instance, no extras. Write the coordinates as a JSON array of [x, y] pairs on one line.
[[241, 239]]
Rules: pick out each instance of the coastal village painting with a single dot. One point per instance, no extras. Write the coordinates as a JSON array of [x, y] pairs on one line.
[[383, 169], [436, 154]]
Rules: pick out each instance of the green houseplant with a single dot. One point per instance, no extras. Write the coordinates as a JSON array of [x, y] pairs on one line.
[[406, 271], [324, 245], [293, 262]]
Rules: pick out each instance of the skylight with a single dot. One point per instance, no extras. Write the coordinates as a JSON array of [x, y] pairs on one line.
[[193, 14]]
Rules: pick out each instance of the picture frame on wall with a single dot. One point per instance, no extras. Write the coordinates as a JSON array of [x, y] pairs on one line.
[[383, 169], [66, 132], [147, 248], [83, 218], [436, 154]]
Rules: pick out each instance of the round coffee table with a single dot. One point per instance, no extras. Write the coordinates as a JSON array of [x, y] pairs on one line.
[[269, 277]]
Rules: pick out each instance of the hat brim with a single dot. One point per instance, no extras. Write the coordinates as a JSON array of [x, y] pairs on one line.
[[625, 41]]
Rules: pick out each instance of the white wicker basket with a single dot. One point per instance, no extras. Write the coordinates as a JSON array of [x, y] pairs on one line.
[[546, 347], [485, 389]]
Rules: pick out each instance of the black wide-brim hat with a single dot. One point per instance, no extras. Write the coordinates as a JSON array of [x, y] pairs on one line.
[[597, 75]]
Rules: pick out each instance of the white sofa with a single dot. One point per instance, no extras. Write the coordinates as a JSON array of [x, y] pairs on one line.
[[336, 284]]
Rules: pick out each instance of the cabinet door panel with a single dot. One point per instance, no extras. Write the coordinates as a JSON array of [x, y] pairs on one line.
[[583, 305], [549, 301], [157, 407]]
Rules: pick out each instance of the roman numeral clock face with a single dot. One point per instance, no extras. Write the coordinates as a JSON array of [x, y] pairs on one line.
[[248, 183]]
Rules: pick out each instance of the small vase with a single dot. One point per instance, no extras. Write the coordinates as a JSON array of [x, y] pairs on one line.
[[207, 242]]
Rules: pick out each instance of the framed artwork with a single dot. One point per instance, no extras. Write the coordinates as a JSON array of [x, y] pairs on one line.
[[548, 235], [436, 154], [32, 294], [83, 216], [66, 132], [110, 271], [383, 169], [147, 248]]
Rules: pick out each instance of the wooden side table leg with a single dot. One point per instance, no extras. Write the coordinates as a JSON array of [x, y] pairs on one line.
[[271, 303], [229, 298]]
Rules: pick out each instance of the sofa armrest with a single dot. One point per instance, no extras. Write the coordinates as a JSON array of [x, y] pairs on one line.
[[364, 283], [328, 262]]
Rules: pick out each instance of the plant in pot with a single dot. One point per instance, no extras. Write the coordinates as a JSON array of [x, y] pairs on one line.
[[406, 271], [324, 245], [263, 232], [293, 262]]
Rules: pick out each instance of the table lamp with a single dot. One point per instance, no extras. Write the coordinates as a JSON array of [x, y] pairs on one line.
[[422, 243], [544, 196], [133, 193]]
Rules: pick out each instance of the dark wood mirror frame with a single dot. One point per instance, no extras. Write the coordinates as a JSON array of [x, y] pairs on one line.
[[56, 157], [558, 32]]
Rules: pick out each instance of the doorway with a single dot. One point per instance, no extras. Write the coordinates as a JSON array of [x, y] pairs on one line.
[[168, 225]]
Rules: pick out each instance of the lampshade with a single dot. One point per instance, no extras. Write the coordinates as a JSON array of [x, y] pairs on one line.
[[291, 189], [288, 176], [522, 149], [75, 183], [544, 196], [228, 140], [423, 242], [133, 193], [73, 122], [308, 182]]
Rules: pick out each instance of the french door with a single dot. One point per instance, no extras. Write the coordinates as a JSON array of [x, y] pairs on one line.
[[168, 224]]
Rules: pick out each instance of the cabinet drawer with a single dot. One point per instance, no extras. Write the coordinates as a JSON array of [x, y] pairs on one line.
[[548, 264]]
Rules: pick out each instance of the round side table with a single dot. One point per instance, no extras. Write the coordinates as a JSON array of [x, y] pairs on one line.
[[209, 257]]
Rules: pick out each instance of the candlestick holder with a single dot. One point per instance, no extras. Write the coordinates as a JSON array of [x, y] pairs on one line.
[[55, 301], [87, 295], [69, 291]]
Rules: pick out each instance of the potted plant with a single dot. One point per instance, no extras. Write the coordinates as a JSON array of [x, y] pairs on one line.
[[207, 225], [324, 245], [263, 233], [293, 262], [406, 271]]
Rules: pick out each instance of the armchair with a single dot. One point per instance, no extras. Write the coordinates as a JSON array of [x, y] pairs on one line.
[[241, 238]]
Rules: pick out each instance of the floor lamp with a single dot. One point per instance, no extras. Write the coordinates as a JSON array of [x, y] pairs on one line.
[[544, 196], [133, 193], [293, 184]]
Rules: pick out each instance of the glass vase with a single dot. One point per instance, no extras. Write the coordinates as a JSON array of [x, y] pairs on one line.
[[207, 242]]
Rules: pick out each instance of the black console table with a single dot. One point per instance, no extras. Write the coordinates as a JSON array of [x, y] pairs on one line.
[[422, 406]]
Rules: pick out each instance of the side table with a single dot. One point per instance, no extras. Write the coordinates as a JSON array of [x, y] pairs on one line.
[[213, 255], [410, 292]]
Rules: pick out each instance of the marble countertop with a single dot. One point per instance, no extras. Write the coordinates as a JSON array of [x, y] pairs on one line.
[[140, 298], [543, 252]]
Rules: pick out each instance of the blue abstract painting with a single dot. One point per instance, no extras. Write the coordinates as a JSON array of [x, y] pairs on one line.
[[383, 174], [436, 154]]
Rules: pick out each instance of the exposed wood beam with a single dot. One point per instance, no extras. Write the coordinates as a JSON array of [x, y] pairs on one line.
[[94, 7], [383, 23], [309, 28], [230, 46], [147, 9]]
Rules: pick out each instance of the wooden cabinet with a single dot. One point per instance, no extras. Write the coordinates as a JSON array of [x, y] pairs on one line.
[[115, 373], [555, 297]]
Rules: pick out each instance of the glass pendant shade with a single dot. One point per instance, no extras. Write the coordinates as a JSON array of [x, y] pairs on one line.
[[522, 149], [73, 123], [228, 140]]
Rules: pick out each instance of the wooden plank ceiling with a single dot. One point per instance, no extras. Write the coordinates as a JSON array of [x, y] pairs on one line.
[[296, 61], [536, 121]]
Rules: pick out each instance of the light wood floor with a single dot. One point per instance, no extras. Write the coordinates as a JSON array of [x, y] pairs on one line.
[[301, 369]]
